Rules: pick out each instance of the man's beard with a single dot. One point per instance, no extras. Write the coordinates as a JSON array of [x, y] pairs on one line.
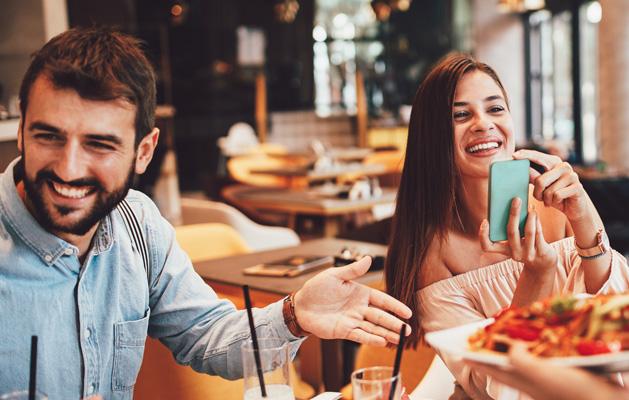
[[105, 201]]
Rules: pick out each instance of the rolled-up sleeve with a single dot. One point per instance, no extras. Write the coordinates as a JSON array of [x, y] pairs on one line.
[[187, 316]]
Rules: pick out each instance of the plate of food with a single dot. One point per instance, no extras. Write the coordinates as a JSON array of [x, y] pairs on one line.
[[589, 332]]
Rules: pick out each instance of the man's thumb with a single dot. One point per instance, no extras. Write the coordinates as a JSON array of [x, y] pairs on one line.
[[354, 270]]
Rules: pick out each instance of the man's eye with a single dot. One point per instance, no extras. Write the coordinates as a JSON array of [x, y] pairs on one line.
[[51, 137], [100, 146]]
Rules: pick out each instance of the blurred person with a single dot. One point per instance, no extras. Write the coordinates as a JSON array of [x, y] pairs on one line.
[[441, 262], [70, 271], [543, 380]]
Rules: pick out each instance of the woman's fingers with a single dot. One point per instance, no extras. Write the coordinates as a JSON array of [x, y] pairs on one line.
[[540, 241], [513, 229], [487, 245], [529, 236], [565, 180]]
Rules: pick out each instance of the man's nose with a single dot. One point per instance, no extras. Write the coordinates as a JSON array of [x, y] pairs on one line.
[[71, 163]]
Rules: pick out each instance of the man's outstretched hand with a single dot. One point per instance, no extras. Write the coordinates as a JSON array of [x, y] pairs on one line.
[[332, 306]]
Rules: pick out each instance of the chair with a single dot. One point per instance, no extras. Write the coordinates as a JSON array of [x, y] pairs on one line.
[[240, 167], [160, 376], [257, 237], [210, 240]]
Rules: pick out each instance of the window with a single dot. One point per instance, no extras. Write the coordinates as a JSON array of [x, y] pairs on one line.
[[561, 73]]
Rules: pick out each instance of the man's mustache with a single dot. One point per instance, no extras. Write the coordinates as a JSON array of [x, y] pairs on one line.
[[49, 175]]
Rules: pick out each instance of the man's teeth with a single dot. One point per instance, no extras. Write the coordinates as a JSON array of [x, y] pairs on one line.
[[483, 146], [71, 192]]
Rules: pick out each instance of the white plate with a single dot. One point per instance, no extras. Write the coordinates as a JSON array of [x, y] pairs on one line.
[[453, 342]]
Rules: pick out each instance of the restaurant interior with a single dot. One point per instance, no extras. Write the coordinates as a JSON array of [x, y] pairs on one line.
[[284, 126]]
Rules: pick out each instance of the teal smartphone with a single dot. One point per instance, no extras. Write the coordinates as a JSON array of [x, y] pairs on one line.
[[507, 180]]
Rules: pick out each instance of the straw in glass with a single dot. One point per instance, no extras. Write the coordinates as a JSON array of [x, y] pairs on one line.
[[398, 360], [32, 382], [254, 339]]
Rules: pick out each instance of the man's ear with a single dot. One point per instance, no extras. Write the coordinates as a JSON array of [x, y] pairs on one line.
[[146, 148], [20, 136]]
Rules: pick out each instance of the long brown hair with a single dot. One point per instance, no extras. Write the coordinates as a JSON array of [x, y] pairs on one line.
[[426, 197]]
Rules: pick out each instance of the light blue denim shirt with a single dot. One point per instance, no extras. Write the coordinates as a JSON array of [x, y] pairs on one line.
[[92, 319]]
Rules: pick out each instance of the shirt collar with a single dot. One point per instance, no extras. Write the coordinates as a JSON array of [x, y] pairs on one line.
[[43, 243]]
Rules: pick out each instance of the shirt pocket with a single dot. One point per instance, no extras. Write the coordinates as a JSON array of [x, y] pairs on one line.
[[129, 339]]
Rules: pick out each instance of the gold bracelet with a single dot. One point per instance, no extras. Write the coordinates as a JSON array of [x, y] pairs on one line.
[[290, 319]]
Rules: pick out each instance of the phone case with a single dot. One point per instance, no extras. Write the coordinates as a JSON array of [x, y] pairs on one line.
[[507, 180]]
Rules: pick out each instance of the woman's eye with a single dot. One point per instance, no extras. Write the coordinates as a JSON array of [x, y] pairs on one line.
[[460, 114], [496, 109]]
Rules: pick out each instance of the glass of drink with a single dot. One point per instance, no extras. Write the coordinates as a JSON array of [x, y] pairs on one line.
[[274, 359], [22, 395], [375, 383]]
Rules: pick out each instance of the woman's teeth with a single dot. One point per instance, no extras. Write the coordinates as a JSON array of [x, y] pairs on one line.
[[70, 191], [483, 146]]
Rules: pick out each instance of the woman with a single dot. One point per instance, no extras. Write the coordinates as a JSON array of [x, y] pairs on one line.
[[441, 262]]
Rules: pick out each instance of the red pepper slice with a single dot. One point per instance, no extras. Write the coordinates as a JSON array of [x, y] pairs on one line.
[[523, 332], [592, 347]]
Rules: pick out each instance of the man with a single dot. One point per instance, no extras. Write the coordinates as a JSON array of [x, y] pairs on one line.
[[70, 271]]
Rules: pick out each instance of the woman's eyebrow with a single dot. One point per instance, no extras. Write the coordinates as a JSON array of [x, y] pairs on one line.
[[486, 99]]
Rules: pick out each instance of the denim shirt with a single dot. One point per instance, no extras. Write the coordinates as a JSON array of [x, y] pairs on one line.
[[92, 319]]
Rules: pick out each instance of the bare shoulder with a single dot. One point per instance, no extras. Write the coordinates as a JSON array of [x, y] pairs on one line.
[[434, 267], [554, 223]]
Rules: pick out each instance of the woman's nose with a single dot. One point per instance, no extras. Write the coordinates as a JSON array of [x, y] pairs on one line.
[[482, 123]]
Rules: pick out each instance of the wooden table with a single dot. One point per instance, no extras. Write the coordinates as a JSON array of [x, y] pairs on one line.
[[225, 276], [307, 202], [297, 174]]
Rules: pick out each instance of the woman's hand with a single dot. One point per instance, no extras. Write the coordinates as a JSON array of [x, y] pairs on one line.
[[545, 381], [559, 186], [532, 250]]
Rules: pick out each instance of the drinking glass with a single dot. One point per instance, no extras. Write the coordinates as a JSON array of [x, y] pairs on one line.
[[374, 383], [22, 395], [274, 359]]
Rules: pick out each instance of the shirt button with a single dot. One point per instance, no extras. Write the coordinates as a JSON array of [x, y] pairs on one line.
[[91, 389], [48, 258], [68, 252], [88, 333]]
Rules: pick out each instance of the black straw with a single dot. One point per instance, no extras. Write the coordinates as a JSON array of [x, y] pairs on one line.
[[398, 360], [254, 339], [32, 382]]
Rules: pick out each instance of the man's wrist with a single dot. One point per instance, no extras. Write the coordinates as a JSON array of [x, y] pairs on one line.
[[290, 318]]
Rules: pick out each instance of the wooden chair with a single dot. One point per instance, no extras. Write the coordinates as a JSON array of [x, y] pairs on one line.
[[239, 168], [160, 376]]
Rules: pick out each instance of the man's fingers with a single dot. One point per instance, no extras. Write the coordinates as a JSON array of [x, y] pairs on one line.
[[353, 270], [389, 336], [385, 302], [360, 336], [387, 321]]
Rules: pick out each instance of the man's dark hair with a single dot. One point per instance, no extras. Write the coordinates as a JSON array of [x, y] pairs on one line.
[[99, 64]]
